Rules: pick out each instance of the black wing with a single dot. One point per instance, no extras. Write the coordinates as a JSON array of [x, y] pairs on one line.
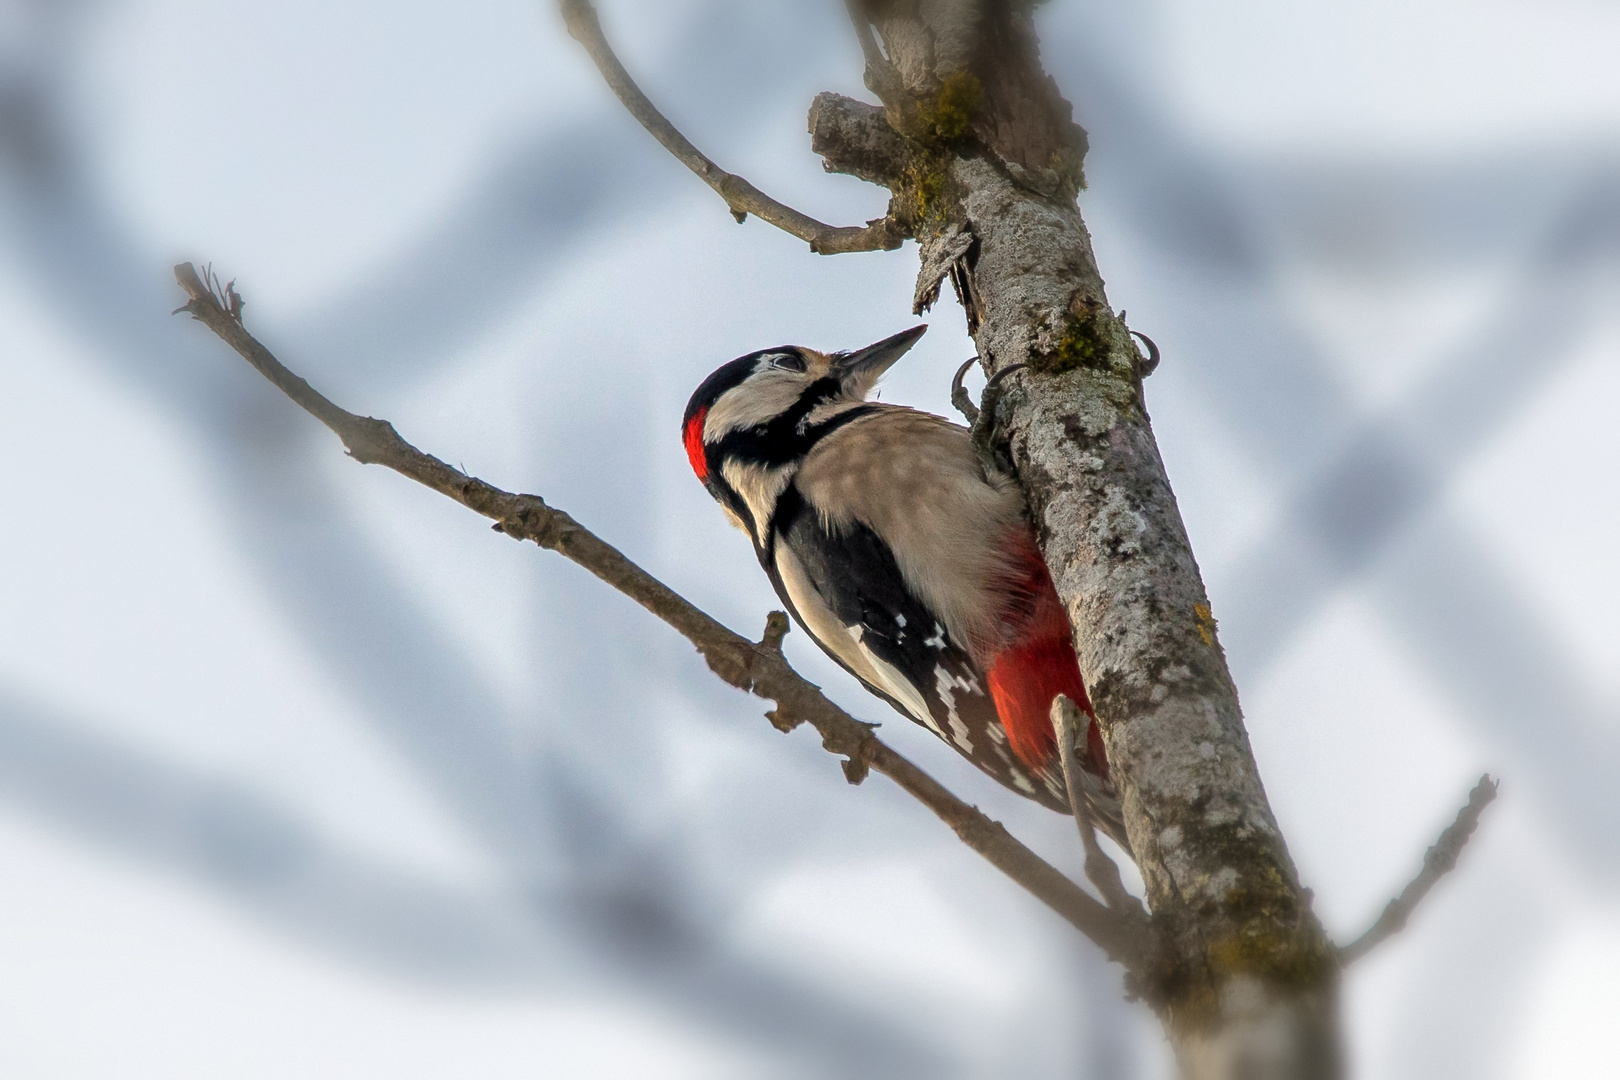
[[854, 602]]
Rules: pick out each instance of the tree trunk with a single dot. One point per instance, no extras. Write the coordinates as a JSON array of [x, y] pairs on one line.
[[985, 165]]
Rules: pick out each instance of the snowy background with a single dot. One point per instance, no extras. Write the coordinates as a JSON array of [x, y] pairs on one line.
[[305, 772]]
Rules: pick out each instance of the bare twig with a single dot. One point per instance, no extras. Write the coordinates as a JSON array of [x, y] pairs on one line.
[[1437, 862], [776, 628], [757, 667], [1102, 871], [742, 197]]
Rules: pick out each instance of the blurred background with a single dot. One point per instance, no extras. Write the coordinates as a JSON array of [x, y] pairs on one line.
[[306, 772]]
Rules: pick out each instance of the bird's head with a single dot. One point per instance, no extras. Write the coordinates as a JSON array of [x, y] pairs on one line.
[[764, 410]]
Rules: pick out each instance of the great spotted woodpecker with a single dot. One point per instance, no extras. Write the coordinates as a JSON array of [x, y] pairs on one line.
[[911, 562]]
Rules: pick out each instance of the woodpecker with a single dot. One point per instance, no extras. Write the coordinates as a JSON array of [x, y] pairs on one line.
[[905, 556]]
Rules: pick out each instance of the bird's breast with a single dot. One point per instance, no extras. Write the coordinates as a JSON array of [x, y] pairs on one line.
[[956, 532]]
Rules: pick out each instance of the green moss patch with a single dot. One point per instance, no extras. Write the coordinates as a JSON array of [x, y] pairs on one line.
[[951, 114], [1083, 343]]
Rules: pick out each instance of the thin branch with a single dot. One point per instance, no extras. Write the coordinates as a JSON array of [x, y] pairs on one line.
[[757, 667], [881, 76], [870, 52], [1437, 862], [1102, 871], [742, 197]]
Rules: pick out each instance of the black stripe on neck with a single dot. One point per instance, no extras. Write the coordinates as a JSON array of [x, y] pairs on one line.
[[786, 438]]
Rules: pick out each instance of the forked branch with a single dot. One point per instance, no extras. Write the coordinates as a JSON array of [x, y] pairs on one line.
[[882, 234], [756, 667], [1438, 861]]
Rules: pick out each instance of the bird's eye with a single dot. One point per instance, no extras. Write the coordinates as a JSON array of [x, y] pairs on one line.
[[789, 361]]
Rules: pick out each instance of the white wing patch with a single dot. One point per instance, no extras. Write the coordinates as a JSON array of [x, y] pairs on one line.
[[894, 684]]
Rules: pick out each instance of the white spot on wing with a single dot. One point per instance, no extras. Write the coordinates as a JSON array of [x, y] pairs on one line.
[[893, 683], [946, 685], [938, 640]]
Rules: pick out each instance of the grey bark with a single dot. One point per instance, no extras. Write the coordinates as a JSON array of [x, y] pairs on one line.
[[985, 166], [1245, 979]]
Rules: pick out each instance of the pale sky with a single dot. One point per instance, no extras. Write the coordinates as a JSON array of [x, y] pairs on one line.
[[304, 772]]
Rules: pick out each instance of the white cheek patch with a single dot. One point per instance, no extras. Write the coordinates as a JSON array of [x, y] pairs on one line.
[[760, 400]]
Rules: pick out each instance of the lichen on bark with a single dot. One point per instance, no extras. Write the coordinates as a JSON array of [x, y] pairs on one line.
[[1240, 954]]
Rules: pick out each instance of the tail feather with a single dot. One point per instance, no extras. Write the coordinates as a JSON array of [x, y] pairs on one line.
[[1106, 812]]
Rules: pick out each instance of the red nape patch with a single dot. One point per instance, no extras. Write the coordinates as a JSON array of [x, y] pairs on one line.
[[694, 444]]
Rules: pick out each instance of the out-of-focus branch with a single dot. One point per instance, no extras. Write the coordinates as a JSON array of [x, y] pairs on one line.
[[756, 667], [882, 234], [881, 76], [1438, 861]]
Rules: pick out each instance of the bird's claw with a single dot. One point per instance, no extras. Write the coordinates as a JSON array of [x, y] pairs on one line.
[[987, 441], [959, 395], [1147, 367]]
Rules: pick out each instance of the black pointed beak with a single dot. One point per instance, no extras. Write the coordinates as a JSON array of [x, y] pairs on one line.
[[874, 360]]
